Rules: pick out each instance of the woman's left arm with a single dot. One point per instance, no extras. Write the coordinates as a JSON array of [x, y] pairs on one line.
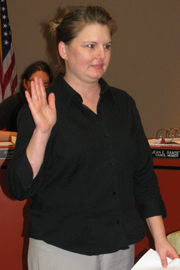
[[163, 247]]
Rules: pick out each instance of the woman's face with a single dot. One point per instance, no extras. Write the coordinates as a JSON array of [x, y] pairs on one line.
[[39, 74], [88, 55]]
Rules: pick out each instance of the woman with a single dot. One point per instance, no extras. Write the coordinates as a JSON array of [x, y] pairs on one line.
[[11, 106], [84, 159]]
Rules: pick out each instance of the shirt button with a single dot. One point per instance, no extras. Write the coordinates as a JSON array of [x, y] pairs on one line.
[[111, 164], [114, 192], [117, 221], [98, 111], [106, 135]]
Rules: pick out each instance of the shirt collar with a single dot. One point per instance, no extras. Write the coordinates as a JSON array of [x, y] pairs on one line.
[[105, 89], [67, 93], [63, 91]]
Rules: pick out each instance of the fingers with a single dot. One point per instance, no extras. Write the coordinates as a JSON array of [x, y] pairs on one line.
[[41, 110], [164, 262], [167, 251], [27, 95], [36, 98], [173, 255], [37, 89], [51, 100]]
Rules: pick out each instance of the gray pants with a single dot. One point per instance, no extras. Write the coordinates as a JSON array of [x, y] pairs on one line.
[[42, 256]]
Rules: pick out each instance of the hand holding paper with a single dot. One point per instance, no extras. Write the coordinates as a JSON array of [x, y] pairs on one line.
[[151, 261]]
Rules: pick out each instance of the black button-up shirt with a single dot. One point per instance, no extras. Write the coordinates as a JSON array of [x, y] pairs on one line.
[[96, 167]]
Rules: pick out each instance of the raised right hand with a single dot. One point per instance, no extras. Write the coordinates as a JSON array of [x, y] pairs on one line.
[[43, 112]]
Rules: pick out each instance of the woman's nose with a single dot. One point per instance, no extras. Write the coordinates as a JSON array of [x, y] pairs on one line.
[[101, 52]]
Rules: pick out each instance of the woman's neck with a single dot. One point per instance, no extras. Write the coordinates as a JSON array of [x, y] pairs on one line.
[[88, 91]]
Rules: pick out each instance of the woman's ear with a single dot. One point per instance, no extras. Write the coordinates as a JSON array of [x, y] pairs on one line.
[[25, 83], [62, 49]]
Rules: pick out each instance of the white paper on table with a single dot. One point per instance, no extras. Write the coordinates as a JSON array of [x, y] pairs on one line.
[[154, 141], [151, 260]]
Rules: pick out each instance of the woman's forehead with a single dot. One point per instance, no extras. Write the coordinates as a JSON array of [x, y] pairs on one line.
[[94, 31]]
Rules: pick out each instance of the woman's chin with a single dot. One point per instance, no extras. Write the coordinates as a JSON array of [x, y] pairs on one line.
[[97, 75]]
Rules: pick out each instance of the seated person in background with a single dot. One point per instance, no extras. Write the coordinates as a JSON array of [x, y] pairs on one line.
[[11, 106]]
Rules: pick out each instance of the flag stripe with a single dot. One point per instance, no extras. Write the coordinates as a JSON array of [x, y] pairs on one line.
[[9, 69]]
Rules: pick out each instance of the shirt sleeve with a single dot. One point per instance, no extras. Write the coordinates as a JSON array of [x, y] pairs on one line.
[[19, 176], [146, 189]]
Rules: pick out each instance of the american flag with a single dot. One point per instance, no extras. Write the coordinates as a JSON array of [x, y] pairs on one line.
[[8, 75]]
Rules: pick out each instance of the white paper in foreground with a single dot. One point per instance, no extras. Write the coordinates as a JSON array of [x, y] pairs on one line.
[[151, 260]]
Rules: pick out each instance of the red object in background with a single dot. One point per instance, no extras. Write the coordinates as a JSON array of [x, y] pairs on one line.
[[163, 141], [13, 225]]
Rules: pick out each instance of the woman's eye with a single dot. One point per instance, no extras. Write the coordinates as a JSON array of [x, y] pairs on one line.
[[107, 46], [90, 45]]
